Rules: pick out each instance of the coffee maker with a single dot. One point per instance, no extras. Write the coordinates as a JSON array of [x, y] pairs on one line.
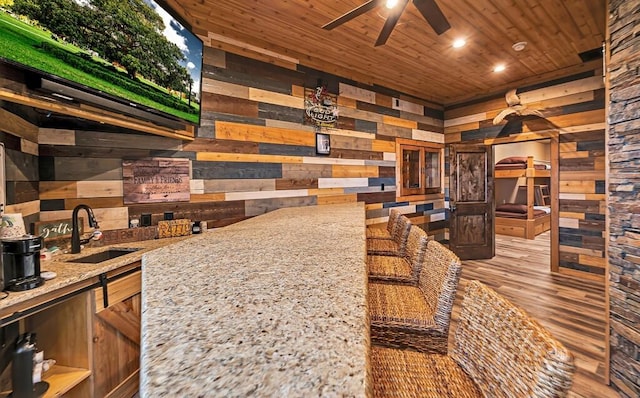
[[21, 263]]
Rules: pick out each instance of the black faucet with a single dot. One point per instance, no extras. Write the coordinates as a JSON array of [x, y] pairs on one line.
[[75, 233]]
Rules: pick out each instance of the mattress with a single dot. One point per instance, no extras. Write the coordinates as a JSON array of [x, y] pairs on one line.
[[518, 162], [515, 210]]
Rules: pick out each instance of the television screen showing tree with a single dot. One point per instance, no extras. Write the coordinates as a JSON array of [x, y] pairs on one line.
[[134, 50]]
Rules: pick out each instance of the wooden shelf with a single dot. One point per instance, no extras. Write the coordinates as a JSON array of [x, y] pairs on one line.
[[98, 115], [62, 379]]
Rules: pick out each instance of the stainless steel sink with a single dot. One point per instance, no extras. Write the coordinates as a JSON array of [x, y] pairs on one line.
[[108, 254]]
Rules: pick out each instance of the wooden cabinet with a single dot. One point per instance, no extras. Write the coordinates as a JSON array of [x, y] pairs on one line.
[[93, 333], [116, 336], [62, 332], [419, 169]]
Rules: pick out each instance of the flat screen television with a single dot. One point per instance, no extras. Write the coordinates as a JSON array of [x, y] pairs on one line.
[[135, 54]]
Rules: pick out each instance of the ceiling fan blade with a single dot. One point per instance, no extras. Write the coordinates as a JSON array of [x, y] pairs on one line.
[[390, 23], [369, 5], [432, 13]]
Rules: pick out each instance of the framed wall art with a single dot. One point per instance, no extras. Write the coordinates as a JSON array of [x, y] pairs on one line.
[[323, 144]]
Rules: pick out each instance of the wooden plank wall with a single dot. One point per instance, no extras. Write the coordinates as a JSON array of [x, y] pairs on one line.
[[252, 154], [574, 106], [20, 139]]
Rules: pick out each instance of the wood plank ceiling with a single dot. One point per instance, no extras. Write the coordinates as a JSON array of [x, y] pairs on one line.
[[415, 60]]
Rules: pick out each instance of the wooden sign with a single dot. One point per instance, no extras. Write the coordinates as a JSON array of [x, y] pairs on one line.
[[172, 228], [56, 228], [156, 180]]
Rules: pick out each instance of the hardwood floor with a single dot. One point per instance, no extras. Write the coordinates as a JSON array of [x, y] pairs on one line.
[[571, 309]]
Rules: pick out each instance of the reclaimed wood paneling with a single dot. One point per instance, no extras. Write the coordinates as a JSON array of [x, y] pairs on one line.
[[395, 131], [383, 146], [574, 106], [22, 191], [339, 171], [293, 184], [26, 208], [296, 193], [355, 154], [235, 170], [283, 124], [280, 113], [29, 147], [347, 142], [242, 132], [357, 93], [95, 203], [334, 199], [69, 169], [20, 166], [214, 56], [238, 157], [220, 145], [307, 171], [18, 126], [207, 197], [224, 88], [225, 104], [58, 189], [68, 151], [261, 206], [231, 185], [108, 218], [270, 97], [89, 189], [136, 141], [342, 182], [396, 121], [253, 152]]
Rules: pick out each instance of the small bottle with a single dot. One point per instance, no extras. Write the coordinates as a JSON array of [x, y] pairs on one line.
[[195, 228]]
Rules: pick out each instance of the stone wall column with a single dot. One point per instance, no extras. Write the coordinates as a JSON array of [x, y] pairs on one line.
[[624, 195]]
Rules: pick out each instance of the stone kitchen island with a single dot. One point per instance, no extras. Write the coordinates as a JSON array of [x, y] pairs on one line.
[[271, 306]]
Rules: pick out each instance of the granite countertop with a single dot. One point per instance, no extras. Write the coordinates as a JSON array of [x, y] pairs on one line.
[[69, 273], [271, 306]]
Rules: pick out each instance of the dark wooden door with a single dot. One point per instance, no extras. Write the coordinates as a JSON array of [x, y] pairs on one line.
[[471, 204]]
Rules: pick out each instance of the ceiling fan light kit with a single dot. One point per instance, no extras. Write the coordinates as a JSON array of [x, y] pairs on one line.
[[428, 8], [519, 46]]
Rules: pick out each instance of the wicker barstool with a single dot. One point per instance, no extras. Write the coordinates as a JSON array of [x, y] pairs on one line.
[[498, 351], [403, 270], [417, 317], [385, 233], [392, 247]]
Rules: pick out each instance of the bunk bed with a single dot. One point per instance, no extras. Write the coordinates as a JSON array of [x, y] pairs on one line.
[[534, 217]]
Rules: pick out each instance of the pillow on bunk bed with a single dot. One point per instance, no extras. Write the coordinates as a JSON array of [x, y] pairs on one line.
[[538, 165], [513, 160], [512, 208], [520, 162]]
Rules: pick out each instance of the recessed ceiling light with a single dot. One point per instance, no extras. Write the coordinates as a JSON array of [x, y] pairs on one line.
[[519, 46], [391, 3], [459, 43], [499, 68]]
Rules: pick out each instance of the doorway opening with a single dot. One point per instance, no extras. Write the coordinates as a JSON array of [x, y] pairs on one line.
[[525, 195]]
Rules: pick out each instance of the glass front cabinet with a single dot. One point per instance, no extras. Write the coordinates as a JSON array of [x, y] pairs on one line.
[[420, 167]]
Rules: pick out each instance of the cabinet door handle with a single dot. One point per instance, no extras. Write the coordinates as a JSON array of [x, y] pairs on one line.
[[105, 293]]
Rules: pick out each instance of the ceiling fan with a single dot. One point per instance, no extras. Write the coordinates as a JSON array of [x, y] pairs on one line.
[[428, 8]]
